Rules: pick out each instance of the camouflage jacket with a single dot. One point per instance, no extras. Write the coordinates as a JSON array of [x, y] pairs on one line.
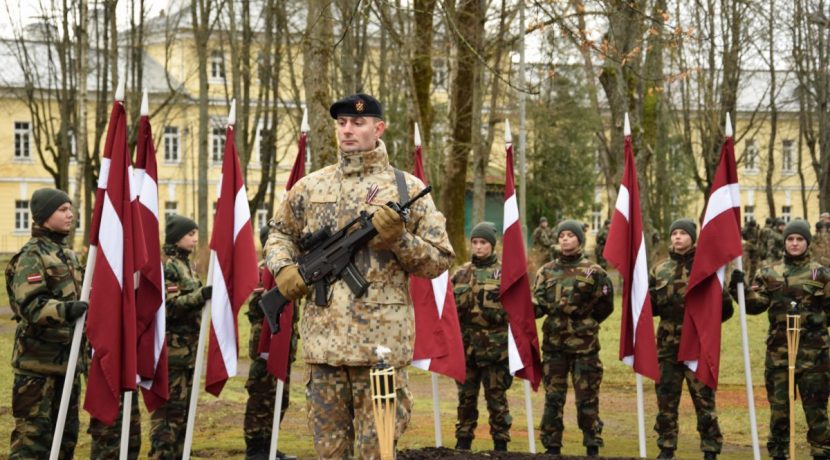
[[775, 287], [576, 296], [39, 279], [184, 307], [820, 248], [256, 315], [667, 286], [543, 238], [602, 238], [476, 286], [774, 246], [348, 329]]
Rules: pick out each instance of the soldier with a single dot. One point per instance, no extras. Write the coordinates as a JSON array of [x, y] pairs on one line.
[[602, 237], [341, 337], [43, 281], [476, 286], [667, 286], [543, 240], [106, 439], [751, 251], [185, 299], [775, 242], [575, 295], [825, 218], [820, 246], [261, 385], [775, 287]]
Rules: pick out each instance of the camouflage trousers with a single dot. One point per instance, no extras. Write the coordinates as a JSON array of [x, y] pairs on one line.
[[168, 423], [496, 380], [339, 403], [586, 375], [259, 410], [106, 439], [35, 403], [813, 391], [672, 375]]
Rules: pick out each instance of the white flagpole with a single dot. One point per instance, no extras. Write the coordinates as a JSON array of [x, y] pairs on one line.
[[126, 413], [436, 407], [74, 351], [531, 437], [197, 370], [275, 427], [641, 416]]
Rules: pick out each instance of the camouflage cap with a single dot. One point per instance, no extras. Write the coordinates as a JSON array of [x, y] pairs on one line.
[[177, 226], [44, 203], [357, 105], [485, 230], [573, 227], [800, 227], [687, 225]]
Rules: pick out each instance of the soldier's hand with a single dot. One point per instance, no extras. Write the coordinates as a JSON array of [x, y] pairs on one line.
[[389, 225], [290, 283], [737, 277], [72, 310], [206, 293]]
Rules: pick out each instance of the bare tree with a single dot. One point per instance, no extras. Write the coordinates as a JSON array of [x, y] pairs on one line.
[[317, 58]]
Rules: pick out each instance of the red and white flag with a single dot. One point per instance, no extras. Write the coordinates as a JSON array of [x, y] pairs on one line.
[[150, 311], [438, 344], [522, 339], [718, 244], [626, 250], [111, 321], [234, 262], [275, 347]]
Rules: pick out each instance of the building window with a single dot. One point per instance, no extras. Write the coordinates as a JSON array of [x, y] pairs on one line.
[[73, 145], [749, 213], [22, 140], [171, 144], [21, 215], [170, 208], [786, 212], [217, 66], [439, 73], [787, 151], [217, 145], [596, 218], [262, 216], [751, 156]]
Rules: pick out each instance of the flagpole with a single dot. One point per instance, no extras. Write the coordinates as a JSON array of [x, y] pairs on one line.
[[74, 351], [531, 437], [436, 410], [197, 370], [126, 415], [275, 427], [641, 415]]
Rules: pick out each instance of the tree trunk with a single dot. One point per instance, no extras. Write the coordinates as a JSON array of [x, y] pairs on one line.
[[199, 10], [317, 58], [422, 67], [773, 111]]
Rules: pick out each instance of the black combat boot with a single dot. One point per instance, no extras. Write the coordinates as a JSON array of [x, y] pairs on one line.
[[710, 456], [257, 449], [500, 445], [554, 451], [666, 453], [592, 451], [463, 443]]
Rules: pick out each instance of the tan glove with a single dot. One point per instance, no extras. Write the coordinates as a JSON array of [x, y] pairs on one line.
[[389, 225], [290, 283]]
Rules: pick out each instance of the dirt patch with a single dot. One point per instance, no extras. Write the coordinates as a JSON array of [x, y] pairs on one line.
[[443, 452]]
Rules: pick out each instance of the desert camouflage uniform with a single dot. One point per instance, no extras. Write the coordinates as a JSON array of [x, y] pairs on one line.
[[773, 289], [261, 385], [184, 315], [340, 339], [39, 279], [575, 295], [667, 285], [483, 321]]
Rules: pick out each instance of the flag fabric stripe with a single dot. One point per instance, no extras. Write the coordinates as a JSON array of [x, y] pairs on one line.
[[111, 241], [626, 250], [523, 341], [718, 244]]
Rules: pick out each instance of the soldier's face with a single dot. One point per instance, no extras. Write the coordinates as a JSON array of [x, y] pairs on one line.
[[359, 134], [795, 244], [568, 242], [481, 248], [61, 220], [681, 242], [189, 241]]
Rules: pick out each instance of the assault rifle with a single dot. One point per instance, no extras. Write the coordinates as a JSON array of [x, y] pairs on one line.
[[329, 257]]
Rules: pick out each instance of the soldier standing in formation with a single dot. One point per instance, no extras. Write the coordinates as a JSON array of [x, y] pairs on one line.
[[774, 288], [751, 250], [543, 239], [820, 246], [185, 299], [602, 238], [667, 285], [575, 295], [476, 286], [340, 338], [43, 281], [261, 385], [774, 244]]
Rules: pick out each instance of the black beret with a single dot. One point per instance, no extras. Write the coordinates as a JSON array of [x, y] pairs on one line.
[[45, 202], [357, 105], [177, 226]]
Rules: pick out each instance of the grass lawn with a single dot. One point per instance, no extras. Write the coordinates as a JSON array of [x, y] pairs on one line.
[[218, 431]]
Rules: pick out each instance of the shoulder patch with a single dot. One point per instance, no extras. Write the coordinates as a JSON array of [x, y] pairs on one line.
[[172, 288], [34, 278]]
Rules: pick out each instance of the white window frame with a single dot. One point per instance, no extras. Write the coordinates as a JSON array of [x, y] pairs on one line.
[[172, 144], [22, 141], [170, 208], [21, 215], [749, 213], [261, 216], [787, 154], [786, 212], [217, 145], [217, 66], [751, 156]]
